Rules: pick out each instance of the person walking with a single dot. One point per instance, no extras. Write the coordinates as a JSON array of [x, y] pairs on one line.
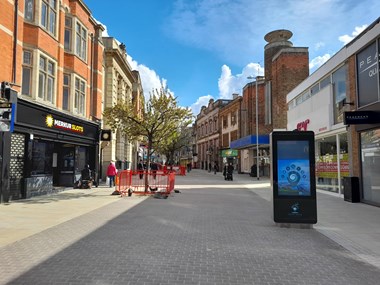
[[140, 168], [216, 167], [154, 168], [111, 173]]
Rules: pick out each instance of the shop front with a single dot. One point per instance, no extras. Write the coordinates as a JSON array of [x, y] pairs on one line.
[[230, 156], [331, 144], [249, 157], [49, 149]]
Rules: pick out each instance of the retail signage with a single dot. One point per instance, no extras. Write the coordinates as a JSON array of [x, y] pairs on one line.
[[361, 117], [302, 126], [293, 179], [367, 62], [230, 153], [51, 122]]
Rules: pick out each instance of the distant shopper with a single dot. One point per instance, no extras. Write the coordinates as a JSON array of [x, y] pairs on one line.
[[216, 167], [140, 168], [111, 173], [154, 168]]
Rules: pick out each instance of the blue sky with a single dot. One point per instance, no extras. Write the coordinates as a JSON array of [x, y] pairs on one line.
[[204, 49]]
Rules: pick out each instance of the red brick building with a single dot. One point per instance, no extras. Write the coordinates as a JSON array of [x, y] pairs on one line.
[[285, 67], [52, 55]]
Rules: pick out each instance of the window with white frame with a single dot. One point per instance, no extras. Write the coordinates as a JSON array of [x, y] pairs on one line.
[[29, 10], [66, 92], [80, 96], [46, 80], [81, 41], [27, 63], [68, 33], [49, 15]]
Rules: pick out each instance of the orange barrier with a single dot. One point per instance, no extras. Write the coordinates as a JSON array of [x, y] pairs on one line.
[[145, 182], [182, 170]]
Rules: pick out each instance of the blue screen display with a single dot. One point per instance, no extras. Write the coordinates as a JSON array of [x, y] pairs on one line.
[[293, 168]]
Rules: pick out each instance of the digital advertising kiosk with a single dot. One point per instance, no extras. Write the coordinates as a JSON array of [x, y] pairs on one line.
[[293, 177]]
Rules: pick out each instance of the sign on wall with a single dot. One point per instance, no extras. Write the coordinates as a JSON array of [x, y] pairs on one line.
[[367, 62]]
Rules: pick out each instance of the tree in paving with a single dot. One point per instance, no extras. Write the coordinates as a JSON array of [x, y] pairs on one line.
[[155, 125], [180, 139]]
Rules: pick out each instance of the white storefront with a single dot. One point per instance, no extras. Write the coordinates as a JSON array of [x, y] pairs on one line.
[[318, 104]]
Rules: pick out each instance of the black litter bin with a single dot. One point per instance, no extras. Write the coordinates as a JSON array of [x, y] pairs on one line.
[[351, 189]]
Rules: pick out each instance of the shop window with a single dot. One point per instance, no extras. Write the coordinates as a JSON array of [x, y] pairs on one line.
[[339, 93], [370, 156], [327, 164], [27, 63], [41, 158]]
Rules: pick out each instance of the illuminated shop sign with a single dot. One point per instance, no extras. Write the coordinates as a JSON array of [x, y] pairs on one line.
[[51, 122]]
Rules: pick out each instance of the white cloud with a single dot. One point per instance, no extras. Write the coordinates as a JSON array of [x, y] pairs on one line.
[[315, 63], [105, 32], [202, 101], [149, 78], [345, 39], [319, 45], [229, 83]]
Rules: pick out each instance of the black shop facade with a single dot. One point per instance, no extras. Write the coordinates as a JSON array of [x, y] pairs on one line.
[[48, 150]]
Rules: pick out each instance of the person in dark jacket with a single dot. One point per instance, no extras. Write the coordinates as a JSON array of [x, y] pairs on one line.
[[140, 168]]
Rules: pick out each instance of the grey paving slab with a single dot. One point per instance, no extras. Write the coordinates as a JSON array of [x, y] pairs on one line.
[[211, 233]]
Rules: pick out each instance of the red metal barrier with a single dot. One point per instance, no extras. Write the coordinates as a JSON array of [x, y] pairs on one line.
[[145, 182], [182, 170]]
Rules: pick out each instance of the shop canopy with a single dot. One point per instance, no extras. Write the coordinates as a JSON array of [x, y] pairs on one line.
[[249, 141]]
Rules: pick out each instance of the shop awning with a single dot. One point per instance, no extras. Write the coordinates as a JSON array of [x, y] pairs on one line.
[[249, 141]]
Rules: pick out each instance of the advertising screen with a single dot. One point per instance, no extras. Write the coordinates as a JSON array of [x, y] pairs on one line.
[[293, 168]]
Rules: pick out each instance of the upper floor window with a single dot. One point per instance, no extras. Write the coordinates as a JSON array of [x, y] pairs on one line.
[[66, 92], [68, 33], [49, 15], [367, 64], [225, 122], [81, 41], [29, 10], [27, 64], [339, 92], [325, 82], [80, 96], [315, 89], [46, 80], [233, 118]]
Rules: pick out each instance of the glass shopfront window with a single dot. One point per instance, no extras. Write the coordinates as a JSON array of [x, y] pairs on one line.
[[331, 162], [370, 155], [40, 158]]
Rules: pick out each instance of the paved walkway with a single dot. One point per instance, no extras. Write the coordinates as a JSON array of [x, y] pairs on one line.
[[213, 232]]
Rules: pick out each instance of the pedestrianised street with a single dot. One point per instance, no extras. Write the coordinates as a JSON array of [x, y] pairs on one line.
[[212, 232]]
